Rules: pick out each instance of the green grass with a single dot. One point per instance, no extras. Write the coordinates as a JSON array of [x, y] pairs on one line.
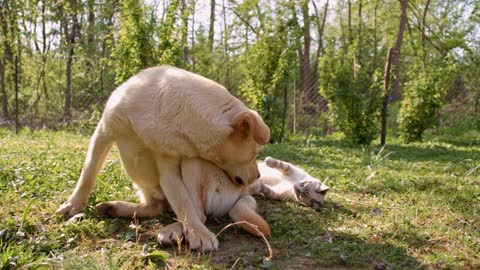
[[411, 206]]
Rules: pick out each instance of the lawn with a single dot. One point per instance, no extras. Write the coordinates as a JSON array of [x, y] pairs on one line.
[[410, 206]]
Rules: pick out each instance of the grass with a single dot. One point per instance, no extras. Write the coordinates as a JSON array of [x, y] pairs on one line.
[[410, 206]]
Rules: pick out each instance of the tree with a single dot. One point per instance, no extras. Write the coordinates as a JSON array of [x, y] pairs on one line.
[[133, 50], [68, 11], [211, 28], [8, 37]]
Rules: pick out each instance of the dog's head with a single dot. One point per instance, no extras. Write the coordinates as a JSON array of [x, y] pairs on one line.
[[237, 156]]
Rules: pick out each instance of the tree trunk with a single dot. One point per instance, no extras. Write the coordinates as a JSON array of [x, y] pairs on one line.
[[45, 49], [320, 30], [386, 82], [424, 18], [70, 35], [350, 37], [3, 89], [192, 56], [359, 42], [68, 75], [284, 115], [184, 14], [7, 57], [225, 46], [375, 41], [396, 95], [306, 82], [211, 29]]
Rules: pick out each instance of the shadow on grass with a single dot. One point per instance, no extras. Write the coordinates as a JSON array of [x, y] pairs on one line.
[[306, 239], [302, 238]]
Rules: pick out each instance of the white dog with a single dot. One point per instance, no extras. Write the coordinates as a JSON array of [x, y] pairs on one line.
[[157, 118]]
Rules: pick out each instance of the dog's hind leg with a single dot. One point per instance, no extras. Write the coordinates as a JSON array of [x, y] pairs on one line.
[[244, 211], [140, 166], [128, 209], [100, 144]]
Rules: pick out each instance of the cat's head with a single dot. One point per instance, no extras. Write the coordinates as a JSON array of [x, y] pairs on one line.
[[311, 192]]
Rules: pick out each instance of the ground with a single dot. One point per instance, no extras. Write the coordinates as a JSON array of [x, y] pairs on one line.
[[410, 206]]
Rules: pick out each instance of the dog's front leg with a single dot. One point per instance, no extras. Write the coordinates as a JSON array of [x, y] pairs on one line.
[[100, 144], [196, 233]]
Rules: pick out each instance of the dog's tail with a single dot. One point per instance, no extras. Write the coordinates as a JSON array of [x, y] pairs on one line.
[[282, 166]]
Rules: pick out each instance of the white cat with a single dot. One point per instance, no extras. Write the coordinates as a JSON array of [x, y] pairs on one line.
[[283, 181]]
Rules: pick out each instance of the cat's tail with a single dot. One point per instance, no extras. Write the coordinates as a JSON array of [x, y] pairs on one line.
[[282, 166]]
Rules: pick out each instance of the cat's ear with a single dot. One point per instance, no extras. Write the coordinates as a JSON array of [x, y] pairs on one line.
[[322, 188]]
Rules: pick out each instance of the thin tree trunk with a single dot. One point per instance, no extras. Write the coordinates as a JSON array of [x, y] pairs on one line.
[[424, 18], [225, 46], [184, 14], [211, 29], [396, 95], [477, 103], [4, 90], [320, 30], [284, 115], [70, 35], [343, 34], [359, 43], [68, 75], [306, 82], [192, 55], [90, 44], [15, 79], [386, 82], [45, 49], [375, 41], [7, 57], [350, 37], [42, 81]]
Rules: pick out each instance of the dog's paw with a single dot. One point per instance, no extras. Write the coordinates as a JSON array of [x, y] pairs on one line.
[[71, 207], [201, 239], [171, 234]]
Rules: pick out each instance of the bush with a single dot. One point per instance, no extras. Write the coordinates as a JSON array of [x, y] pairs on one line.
[[355, 103], [423, 97]]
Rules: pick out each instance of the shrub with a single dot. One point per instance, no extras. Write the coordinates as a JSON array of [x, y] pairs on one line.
[[354, 102], [423, 97]]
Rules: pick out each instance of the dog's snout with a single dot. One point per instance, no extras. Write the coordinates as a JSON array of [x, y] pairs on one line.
[[239, 180]]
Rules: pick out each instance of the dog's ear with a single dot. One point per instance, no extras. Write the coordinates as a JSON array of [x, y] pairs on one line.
[[249, 122]]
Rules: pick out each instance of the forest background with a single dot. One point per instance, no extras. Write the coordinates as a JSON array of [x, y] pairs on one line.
[[310, 67]]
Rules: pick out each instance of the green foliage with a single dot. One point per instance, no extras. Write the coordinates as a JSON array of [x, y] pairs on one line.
[[423, 97], [134, 49], [355, 102], [268, 64], [170, 47]]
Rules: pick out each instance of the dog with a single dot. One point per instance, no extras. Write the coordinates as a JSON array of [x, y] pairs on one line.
[[215, 196], [158, 118]]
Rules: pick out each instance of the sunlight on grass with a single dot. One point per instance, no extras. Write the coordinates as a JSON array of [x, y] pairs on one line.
[[397, 207]]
